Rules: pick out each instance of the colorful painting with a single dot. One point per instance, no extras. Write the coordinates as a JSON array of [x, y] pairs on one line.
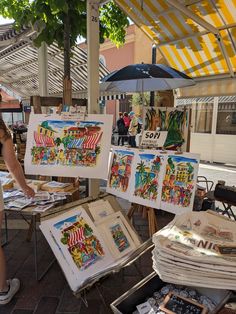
[[120, 172], [178, 188], [172, 120], [78, 237], [77, 245], [147, 181], [68, 148], [119, 237]]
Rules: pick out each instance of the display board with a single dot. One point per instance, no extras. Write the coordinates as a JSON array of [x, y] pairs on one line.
[[158, 179], [57, 147], [84, 248], [179, 182], [174, 303], [146, 182], [120, 172]]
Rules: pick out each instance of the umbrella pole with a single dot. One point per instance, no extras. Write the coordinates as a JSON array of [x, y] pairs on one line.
[[154, 57]]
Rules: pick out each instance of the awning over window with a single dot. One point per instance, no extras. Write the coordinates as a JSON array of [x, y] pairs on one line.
[[225, 102], [196, 37]]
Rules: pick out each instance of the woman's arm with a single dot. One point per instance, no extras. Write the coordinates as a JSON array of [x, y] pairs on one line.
[[14, 166]]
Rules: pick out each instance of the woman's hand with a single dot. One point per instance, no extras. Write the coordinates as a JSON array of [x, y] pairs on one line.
[[28, 191]]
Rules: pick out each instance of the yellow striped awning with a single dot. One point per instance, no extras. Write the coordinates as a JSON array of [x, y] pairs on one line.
[[197, 37]]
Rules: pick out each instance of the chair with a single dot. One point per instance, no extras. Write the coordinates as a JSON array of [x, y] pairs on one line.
[[208, 184], [207, 200]]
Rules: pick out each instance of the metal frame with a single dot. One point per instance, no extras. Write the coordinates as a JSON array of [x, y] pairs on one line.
[[125, 262], [5, 242], [207, 26], [33, 226]]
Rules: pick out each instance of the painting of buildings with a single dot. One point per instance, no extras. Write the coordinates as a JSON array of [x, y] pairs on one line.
[[84, 248], [66, 145], [179, 182], [77, 245], [120, 172]]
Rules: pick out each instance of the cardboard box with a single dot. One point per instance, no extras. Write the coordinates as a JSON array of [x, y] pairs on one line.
[[126, 303]]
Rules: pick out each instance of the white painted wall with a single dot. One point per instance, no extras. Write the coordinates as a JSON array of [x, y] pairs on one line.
[[202, 143], [214, 147], [225, 148]]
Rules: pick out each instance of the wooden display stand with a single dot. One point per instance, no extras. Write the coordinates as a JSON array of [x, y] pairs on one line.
[[147, 212]]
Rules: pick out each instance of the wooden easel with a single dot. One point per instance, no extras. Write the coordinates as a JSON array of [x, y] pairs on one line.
[[147, 212]]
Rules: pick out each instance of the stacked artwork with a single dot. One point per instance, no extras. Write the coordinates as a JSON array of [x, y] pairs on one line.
[[117, 235], [197, 249], [86, 249], [68, 148], [152, 178]]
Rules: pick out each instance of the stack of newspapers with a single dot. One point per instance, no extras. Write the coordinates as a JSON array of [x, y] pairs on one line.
[[197, 249]]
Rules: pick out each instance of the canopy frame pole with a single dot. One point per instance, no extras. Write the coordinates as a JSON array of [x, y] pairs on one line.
[[43, 69], [93, 71]]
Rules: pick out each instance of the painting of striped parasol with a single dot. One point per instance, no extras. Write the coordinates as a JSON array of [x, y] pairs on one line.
[[68, 147]]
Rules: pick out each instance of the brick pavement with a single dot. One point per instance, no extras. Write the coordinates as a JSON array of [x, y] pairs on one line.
[[52, 294]]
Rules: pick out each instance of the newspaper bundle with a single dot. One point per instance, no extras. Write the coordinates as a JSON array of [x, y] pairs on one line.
[[197, 248]]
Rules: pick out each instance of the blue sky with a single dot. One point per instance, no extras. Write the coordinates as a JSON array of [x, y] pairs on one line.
[[5, 21]]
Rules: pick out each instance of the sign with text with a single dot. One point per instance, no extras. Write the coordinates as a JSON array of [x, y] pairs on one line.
[[73, 112], [153, 138]]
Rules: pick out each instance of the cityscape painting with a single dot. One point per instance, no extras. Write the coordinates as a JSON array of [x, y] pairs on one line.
[[68, 148]]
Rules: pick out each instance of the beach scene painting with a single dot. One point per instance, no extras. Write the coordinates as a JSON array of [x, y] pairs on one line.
[[147, 178], [68, 147], [179, 183], [120, 171]]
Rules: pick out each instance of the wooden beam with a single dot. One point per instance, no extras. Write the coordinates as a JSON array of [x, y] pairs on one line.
[[36, 102], [56, 101]]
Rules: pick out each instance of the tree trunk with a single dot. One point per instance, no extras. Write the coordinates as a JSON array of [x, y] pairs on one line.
[[67, 84]]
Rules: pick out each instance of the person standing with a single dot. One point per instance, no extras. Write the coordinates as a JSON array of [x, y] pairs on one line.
[[121, 129], [133, 129], [8, 288], [127, 123]]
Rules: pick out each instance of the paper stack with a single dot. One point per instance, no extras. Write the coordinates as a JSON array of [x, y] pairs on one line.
[[197, 249]]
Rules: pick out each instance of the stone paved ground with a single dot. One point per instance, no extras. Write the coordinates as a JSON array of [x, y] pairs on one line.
[[52, 294]]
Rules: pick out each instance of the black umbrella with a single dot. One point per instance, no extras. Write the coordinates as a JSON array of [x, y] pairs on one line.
[[138, 78]]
